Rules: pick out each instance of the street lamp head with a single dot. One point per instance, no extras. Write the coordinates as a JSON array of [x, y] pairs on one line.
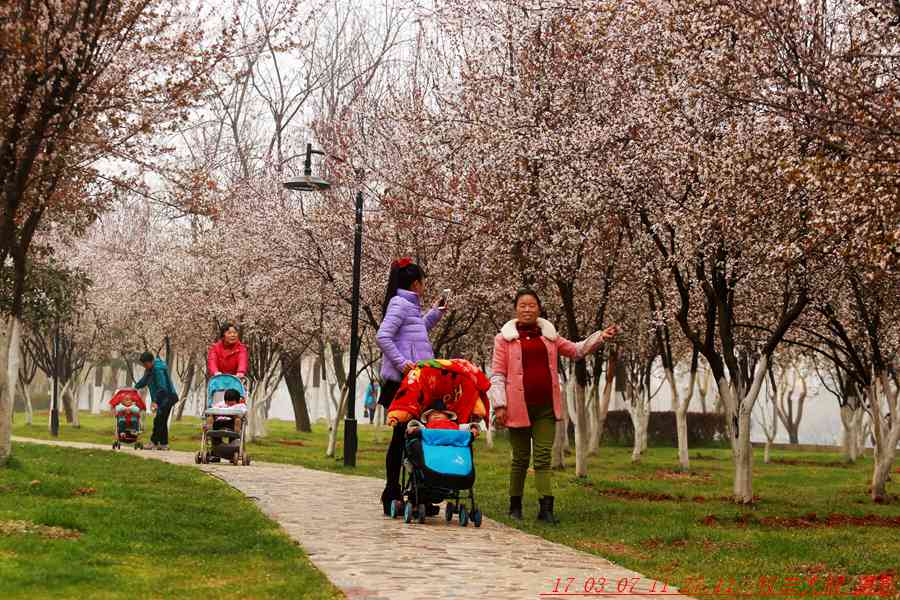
[[306, 183]]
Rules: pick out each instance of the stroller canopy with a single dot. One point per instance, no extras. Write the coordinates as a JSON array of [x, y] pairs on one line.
[[221, 383], [129, 393], [454, 385]]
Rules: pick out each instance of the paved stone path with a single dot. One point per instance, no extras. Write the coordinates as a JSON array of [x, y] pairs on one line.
[[370, 557]]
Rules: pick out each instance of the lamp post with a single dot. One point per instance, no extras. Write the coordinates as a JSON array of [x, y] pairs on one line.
[[309, 183]]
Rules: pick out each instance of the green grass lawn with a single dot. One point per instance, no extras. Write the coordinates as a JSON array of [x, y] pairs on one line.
[[670, 526], [100, 525]]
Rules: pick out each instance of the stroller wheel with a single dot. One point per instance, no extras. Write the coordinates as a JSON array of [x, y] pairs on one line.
[[138, 446], [408, 513], [396, 508], [476, 517], [245, 460], [449, 510], [421, 513], [463, 516]]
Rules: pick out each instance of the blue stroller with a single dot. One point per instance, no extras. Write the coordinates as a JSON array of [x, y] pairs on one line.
[[221, 438], [440, 467]]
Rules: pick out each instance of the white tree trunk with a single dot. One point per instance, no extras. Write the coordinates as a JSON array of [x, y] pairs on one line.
[[741, 449], [332, 435], [78, 382], [11, 355], [887, 434], [703, 387], [850, 438], [680, 403], [592, 402], [329, 402], [95, 398], [581, 431], [601, 410], [489, 434], [645, 427], [29, 410], [60, 402], [640, 417], [559, 440], [862, 430]]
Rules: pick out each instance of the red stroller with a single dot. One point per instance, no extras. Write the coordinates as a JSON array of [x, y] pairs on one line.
[[127, 406]]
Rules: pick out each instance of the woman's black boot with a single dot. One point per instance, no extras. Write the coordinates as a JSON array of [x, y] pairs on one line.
[[515, 507], [388, 496], [546, 512]]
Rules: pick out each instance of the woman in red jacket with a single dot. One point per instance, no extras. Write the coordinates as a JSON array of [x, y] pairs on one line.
[[228, 355]]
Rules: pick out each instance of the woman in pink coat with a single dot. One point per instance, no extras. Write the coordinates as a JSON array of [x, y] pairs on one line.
[[526, 397]]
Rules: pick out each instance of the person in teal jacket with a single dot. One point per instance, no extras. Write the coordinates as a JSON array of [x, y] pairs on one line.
[[162, 394]]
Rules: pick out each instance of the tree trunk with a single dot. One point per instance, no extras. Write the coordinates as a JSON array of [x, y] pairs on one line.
[[11, 356], [703, 385], [850, 438], [681, 406], [186, 386], [741, 449], [636, 410], [67, 403], [681, 430], [26, 395], [743, 461], [767, 450], [335, 426], [645, 427], [291, 369], [581, 431], [256, 414], [886, 430], [602, 407], [488, 435], [559, 440]]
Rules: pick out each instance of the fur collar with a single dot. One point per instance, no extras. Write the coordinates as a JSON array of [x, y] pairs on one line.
[[510, 333]]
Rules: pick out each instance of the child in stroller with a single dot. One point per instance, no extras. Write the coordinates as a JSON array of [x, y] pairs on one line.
[[437, 458], [438, 417], [224, 422], [127, 405], [230, 399]]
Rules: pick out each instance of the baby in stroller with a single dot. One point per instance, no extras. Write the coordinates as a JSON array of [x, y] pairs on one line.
[[230, 399], [225, 423], [127, 405], [434, 397], [438, 417]]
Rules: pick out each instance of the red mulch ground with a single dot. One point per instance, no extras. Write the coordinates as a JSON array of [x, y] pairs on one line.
[[811, 463], [806, 521]]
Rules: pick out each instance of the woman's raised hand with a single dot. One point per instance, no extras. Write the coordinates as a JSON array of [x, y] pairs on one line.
[[500, 416], [610, 332]]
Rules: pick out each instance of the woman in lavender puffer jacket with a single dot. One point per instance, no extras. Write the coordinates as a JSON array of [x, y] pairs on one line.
[[403, 339]]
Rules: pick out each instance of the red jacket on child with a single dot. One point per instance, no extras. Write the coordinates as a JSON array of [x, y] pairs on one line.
[[457, 383]]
